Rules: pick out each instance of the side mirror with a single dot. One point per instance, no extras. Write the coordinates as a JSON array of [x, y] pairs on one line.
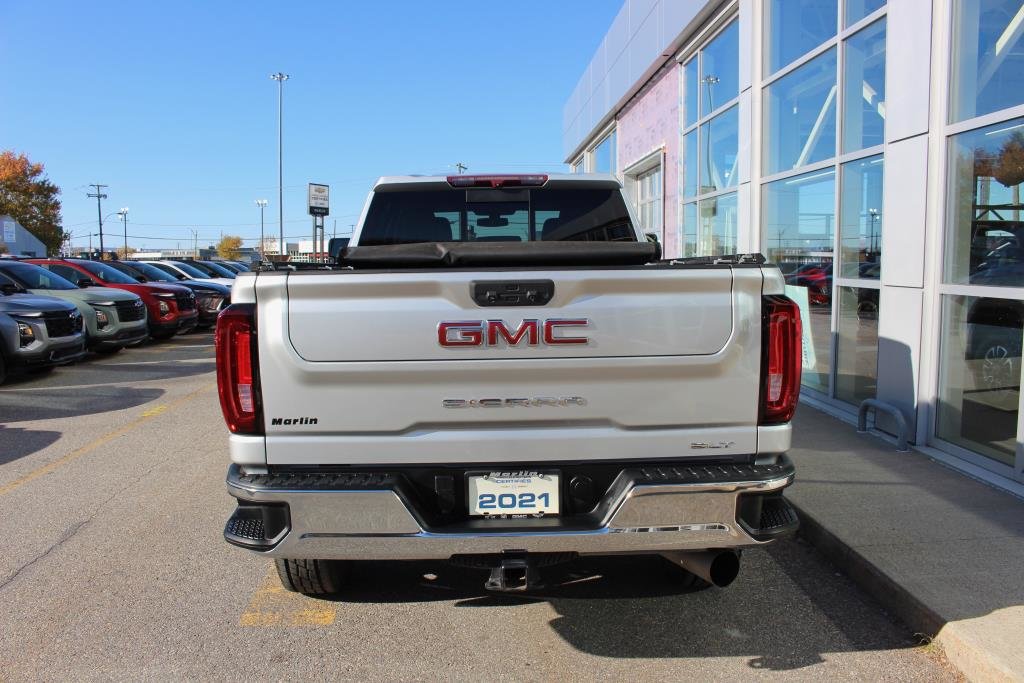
[[8, 288], [141, 278], [337, 245], [85, 282]]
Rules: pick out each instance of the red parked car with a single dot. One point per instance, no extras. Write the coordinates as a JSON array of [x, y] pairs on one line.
[[172, 308]]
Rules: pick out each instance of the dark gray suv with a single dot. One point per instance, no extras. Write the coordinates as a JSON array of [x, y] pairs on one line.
[[37, 332]]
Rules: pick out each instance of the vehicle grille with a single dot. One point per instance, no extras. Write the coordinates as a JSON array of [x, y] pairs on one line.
[[186, 301], [63, 324], [130, 311]]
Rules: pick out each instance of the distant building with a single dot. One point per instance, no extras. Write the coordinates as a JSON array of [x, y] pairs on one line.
[[18, 240]]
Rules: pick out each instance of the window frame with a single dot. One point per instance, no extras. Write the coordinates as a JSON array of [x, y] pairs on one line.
[[836, 162], [633, 175]]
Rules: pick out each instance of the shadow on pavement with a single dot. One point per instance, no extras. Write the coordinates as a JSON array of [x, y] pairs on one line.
[[48, 404], [17, 443], [788, 607]]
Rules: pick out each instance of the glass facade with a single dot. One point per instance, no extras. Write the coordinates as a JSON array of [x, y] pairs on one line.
[[800, 112], [795, 168], [985, 238], [795, 27], [988, 57], [979, 375], [864, 89], [709, 223], [856, 344], [649, 198], [860, 219]]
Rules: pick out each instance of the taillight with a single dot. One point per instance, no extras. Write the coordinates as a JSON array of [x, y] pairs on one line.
[[237, 375], [781, 359], [495, 181]]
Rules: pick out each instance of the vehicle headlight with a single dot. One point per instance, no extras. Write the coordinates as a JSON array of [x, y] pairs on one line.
[[26, 334], [212, 303], [102, 320], [164, 308], [164, 295]]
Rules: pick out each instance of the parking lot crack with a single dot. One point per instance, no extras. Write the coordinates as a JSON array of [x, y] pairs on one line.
[[65, 537]]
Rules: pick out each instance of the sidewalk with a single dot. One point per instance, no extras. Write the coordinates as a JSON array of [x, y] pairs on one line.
[[939, 550]]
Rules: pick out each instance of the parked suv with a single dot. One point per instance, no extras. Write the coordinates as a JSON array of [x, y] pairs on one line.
[[211, 298], [37, 331], [172, 309], [113, 319]]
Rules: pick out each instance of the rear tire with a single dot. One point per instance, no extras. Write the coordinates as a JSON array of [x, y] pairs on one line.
[[311, 577], [3, 369]]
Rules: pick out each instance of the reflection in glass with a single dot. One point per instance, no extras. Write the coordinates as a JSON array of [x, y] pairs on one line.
[[986, 215], [860, 219], [720, 70], [864, 88], [795, 27], [690, 164], [690, 93], [798, 220], [689, 240], [717, 223], [800, 116], [604, 155], [857, 344], [988, 57], [858, 9], [979, 375], [719, 139]]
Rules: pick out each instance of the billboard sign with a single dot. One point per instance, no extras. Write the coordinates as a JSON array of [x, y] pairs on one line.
[[319, 200]]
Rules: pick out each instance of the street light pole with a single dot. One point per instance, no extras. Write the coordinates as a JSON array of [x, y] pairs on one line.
[[262, 203], [280, 78], [123, 213]]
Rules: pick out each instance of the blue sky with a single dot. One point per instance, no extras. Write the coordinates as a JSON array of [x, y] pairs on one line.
[[171, 104]]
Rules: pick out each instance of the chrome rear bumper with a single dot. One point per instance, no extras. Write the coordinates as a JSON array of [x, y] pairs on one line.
[[369, 517]]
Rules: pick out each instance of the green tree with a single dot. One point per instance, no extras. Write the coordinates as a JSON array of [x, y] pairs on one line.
[[229, 247], [28, 196]]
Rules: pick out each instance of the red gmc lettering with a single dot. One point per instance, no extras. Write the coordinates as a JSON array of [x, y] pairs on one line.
[[549, 331], [468, 333], [527, 327], [493, 332]]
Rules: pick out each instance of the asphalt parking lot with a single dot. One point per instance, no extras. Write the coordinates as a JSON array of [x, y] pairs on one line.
[[112, 504]]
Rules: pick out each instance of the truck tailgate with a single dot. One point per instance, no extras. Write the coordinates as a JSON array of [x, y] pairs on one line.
[[352, 371]]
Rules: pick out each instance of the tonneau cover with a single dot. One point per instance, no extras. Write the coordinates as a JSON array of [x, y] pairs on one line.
[[500, 254]]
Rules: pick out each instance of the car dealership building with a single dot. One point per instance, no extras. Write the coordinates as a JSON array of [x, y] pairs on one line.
[[875, 151]]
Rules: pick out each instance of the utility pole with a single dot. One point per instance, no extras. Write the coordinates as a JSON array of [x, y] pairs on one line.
[[99, 195], [280, 78], [461, 167]]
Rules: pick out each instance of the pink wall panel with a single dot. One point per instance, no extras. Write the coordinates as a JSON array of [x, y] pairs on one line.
[[649, 122]]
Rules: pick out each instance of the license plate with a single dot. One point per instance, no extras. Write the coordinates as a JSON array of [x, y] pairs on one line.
[[519, 494]]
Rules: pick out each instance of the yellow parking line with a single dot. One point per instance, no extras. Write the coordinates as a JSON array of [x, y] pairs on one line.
[[272, 605], [106, 438]]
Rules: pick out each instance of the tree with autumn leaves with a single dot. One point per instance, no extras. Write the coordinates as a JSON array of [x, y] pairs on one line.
[[28, 196], [229, 247]]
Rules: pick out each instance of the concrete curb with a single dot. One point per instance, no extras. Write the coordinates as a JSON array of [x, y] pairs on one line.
[[961, 650]]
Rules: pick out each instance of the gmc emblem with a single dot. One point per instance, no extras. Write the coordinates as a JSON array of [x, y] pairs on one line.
[[491, 332]]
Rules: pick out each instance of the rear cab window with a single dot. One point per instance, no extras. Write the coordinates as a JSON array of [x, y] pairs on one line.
[[497, 215]]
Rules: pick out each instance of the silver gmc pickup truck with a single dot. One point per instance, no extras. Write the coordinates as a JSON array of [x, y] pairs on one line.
[[501, 371]]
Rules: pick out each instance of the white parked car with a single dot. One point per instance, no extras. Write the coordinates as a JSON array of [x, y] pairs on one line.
[[183, 271]]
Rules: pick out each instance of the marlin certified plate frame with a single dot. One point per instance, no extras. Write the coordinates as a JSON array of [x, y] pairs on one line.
[[513, 493]]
